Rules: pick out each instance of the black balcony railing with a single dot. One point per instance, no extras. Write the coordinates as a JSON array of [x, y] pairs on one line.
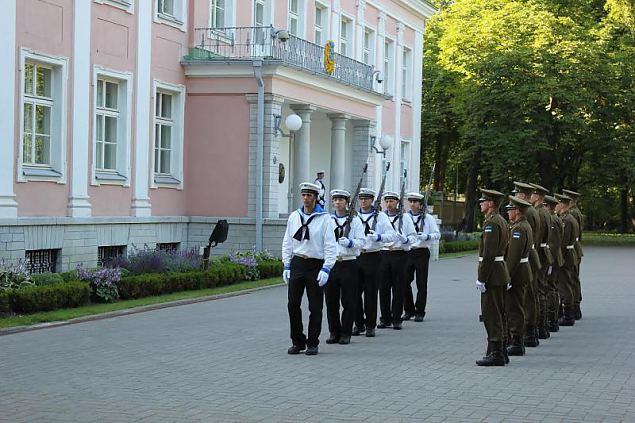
[[235, 43]]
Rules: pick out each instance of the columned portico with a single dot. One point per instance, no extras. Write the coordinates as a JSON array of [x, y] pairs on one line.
[[302, 148], [363, 130], [338, 150]]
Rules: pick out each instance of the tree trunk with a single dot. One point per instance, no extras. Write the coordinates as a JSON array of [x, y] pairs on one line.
[[624, 215], [468, 222]]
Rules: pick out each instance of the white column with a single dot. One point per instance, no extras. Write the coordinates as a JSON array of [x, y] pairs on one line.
[[78, 204], [140, 199], [8, 94], [396, 148], [338, 150], [359, 30], [379, 63], [302, 148], [417, 65]]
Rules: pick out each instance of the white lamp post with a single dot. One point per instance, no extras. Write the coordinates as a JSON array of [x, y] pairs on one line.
[[293, 123]]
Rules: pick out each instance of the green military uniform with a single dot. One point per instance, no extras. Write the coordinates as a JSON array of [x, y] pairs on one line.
[[531, 302], [555, 246], [546, 261], [517, 260], [492, 272], [579, 217], [566, 278]]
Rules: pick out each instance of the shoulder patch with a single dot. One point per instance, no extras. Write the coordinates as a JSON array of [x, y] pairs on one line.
[[488, 228], [516, 235]]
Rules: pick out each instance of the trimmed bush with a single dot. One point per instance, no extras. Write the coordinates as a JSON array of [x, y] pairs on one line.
[[50, 297], [5, 301], [458, 246], [270, 268], [48, 278], [71, 275]]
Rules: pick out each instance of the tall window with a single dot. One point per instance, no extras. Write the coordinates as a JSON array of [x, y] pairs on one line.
[[345, 35], [405, 73], [368, 55], [388, 67], [294, 17], [259, 12], [38, 107], [320, 16], [405, 159], [163, 129], [217, 13], [107, 124], [171, 12]]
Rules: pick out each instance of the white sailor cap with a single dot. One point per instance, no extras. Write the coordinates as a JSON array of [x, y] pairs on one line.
[[367, 193], [309, 187], [321, 171], [390, 195], [414, 196], [340, 193]]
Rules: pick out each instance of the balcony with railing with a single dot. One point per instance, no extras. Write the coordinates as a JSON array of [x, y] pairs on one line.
[[248, 43]]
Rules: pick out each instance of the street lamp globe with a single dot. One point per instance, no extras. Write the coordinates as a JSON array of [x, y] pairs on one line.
[[293, 122], [385, 142]]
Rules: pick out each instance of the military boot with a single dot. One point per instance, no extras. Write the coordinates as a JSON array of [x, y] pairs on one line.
[[517, 348], [567, 319], [531, 340], [543, 333], [578, 312], [495, 356], [553, 325]]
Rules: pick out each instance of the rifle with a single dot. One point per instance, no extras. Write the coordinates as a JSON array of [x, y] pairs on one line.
[[351, 207], [377, 204], [429, 188], [402, 194]]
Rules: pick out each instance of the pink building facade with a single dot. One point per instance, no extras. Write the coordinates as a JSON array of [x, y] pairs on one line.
[[142, 122]]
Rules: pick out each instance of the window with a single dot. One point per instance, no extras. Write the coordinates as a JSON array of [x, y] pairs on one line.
[[259, 12], [294, 17], [168, 134], [107, 253], [320, 20], [405, 74], [41, 261], [43, 117], [122, 4], [112, 126], [171, 12], [217, 14], [368, 55], [404, 159], [388, 67], [345, 35], [169, 247]]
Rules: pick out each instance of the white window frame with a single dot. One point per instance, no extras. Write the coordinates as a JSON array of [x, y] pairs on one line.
[[404, 159], [324, 28], [121, 175], [127, 5], [300, 18], [406, 74], [349, 39], [175, 178], [56, 171], [368, 51], [229, 15], [177, 20], [389, 66]]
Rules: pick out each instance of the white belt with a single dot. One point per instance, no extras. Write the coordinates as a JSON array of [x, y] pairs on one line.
[[420, 248], [524, 260], [393, 249], [577, 239], [346, 258], [497, 258], [544, 245], [570, 247], [370, 250], [533, 247]]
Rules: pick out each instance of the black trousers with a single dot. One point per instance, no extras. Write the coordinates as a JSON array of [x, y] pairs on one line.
[[393, 282], [304, 274], [368, 268], [342, 286], [417, 268]]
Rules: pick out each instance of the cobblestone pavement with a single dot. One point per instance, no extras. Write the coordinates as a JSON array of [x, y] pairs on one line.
[[226, 361]]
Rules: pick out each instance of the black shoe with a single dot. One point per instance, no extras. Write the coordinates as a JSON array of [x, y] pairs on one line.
[[311, 350], [345, 339], [370, 332], [493, 359], [295, 349], [553, 326], [355, 331], [543, 333], [407, 316], [333, 339], [578, 312], [516, 350], [566, 321], [396, 326], [505, 356], [384, 325], [419, 318]]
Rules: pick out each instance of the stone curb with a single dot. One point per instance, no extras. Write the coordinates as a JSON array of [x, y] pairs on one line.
[[134, 310]]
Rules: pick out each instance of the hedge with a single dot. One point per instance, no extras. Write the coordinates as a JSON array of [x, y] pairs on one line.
[[43, 279], [270, 268], [49, 297], [5, 301], [458, 246]]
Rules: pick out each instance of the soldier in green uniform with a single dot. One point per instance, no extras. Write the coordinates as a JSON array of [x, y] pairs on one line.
[[517, 260], [577, 214], [555, 246], [546, 259], [523, 191], [493, 276], [566, 281]]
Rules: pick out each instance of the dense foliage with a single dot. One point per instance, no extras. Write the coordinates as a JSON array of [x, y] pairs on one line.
[[535, 90]]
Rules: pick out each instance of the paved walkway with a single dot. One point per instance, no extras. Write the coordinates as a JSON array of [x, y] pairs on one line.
[[226, 361]]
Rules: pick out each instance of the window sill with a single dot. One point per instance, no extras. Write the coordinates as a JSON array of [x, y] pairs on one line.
[[40, 172], [119, 4], [406, 102], [170, 20], [110, 178], [166, 181]]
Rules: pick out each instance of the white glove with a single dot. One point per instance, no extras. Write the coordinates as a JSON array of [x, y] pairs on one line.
[[345, 242], [372, 236], [509, 286], [286, 275], [423, 237], [549, 270], [480, 286], [402, 238], [323, 277]]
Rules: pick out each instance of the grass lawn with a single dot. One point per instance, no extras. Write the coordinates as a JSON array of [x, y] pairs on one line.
[[603, 238]]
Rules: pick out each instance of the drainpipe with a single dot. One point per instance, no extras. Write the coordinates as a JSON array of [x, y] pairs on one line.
[[260, 148]]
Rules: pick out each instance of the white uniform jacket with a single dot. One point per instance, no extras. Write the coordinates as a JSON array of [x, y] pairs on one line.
[[356, 235], [407, 229], [383, 228], [426, 225], [321, 243]]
